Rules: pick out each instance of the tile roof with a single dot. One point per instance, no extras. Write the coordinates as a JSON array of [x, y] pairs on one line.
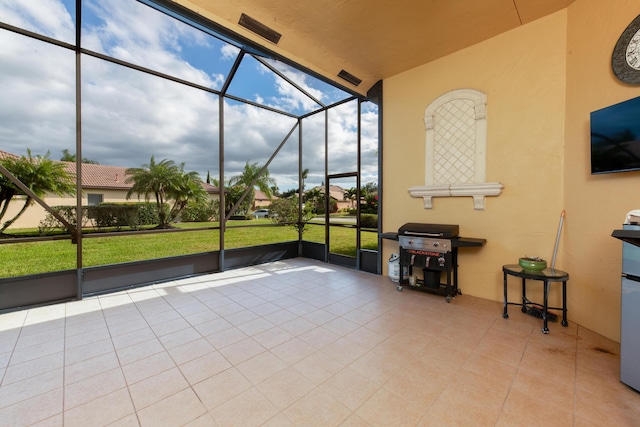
[[105, 177]]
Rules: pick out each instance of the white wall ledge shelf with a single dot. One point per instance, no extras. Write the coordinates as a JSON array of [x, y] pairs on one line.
[[478, 191]]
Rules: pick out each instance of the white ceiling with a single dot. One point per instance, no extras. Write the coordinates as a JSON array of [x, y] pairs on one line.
[[374, 39]]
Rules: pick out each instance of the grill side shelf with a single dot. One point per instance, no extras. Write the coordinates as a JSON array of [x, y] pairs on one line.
[[467, 242]]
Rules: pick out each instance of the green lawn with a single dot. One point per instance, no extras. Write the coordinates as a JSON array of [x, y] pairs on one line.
[[18, 259]]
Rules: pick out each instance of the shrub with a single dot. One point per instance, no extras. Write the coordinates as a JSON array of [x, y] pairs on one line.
[[285, 211], [201, 211], [369, 221], [148, 214], [51, 223], [120, 215]]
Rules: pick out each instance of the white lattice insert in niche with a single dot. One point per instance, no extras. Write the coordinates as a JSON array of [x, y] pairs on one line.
[[456, 139]]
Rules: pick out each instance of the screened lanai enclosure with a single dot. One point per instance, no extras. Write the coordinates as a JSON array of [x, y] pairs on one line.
[[139, 143]]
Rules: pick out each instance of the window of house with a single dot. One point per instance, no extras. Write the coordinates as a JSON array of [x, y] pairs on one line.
[[95, 199]]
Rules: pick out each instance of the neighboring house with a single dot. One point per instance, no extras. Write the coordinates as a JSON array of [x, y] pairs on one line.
[[100, 183], [261, 200], [337, 193]]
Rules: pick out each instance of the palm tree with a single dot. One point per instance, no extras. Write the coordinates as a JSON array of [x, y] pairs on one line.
[[251, 176], [189, 187], [305, 175], [351, 194], [166, 181], [40, 174], [68, 157]]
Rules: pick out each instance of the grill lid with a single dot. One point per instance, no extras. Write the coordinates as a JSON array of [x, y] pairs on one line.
[[445, 231]]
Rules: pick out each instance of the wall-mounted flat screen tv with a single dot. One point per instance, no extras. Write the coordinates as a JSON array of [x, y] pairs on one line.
[[615, 138]]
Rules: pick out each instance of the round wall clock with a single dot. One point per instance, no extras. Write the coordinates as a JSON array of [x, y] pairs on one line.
[[625, 60]]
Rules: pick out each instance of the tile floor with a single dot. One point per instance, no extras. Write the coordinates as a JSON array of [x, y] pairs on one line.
[[301, 343]]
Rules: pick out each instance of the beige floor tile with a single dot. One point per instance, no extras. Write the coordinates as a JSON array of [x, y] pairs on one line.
[[298, 326], [132, 338], [88, 351], [39, 339], [241, 317], [366, 337], [27, 354], [349, 387], [179, 338], [293, 351], [456, 410], [379, 367], [212, 326], [344, 350], [302, 308], [285, 387], [318, 367], [407, 341], [33, 410], [317, 408], [319, 337], [420, 382], [272, 337], [31, 387], [527, 409], [261, 367], [226, 337], [329, 346], [556, 393], [157, 387], [130, 420], [443, 351], [178, 409], [320, 316], [489, 368], [265, 308], [147, 367], [101, 411], [221, 387], [156, 317], [139, 351], [32, 368], [204, 367], [255, 326], [118, 326], [242, 350], [280, 317], [88, 337], [90, 367], [360, 317], [385, 409], [280, 420], [91, 388], [190, 350], [617, 408], [250, 407]]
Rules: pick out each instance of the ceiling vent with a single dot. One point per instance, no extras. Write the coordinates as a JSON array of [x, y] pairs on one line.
[[259, 28], [349, 77]]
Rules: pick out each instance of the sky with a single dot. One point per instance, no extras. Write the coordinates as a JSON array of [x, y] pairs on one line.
[[128, 115]]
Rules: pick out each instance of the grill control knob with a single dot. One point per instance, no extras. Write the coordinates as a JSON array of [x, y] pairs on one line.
[[411, 242], [436, 244]]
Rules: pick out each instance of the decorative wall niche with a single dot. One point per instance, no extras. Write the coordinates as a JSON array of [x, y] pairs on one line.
[[456, 141]]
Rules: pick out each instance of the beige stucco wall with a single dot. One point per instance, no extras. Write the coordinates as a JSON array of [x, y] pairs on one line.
[[542, 81], [599, 203], [523, 73], [36, 213]]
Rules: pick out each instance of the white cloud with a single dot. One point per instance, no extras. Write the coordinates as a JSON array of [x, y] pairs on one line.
[[47, 17], [127, 115]]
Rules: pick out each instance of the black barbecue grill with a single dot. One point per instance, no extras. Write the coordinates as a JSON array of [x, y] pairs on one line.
[[428, 252]]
